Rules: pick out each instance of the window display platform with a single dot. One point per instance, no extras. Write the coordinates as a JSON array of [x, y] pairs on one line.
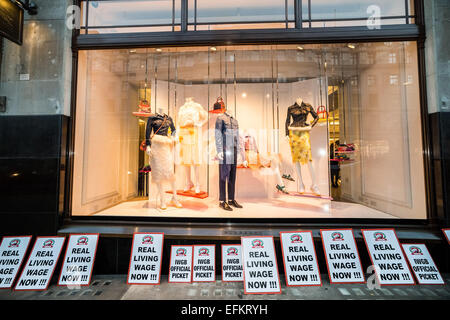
[[284, 206]]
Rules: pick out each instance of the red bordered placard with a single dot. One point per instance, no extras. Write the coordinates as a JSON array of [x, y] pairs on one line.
[[221, 253], [23, 259], [403, 254], [315, 256], [445, 234], [413, 272], [160, 260], [276, 265], [54, 266], [326, 256], [93, 261], [192, 268], [192, 262]]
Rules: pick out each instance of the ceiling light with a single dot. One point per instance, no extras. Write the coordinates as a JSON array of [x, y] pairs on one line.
[[213, 49], [158, 49], [351, 46], [133, 51], [300, 48], [244, 95]]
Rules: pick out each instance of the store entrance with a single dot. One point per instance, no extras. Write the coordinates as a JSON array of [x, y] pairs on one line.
[[313, 139]]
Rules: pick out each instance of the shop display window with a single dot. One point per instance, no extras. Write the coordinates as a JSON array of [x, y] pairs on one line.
[[300, 131]]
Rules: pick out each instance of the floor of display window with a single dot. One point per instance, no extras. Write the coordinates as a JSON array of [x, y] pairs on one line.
[[282, 207]]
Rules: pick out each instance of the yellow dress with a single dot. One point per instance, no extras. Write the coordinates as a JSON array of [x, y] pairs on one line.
[[190, 145], [300, 146]]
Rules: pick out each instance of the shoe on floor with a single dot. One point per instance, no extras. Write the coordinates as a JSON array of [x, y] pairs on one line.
[[234, 204], [177, 203], [315, 190], [301, 189], [282, 189], [288, 177], [225, 206]]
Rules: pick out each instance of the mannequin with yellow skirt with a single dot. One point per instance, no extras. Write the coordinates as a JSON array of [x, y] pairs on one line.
[[298, 135]]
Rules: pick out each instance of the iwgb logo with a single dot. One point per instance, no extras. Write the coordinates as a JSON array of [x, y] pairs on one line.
[[48, 243], [147, 240], [14, 243], [415, 251], [203, 252], [82, 241], [337, 236], [296, 238], [232, 251], [379, 236], [181, 252], [257, 243]]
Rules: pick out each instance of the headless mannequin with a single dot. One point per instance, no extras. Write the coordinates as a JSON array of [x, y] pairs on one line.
[[300, 185], [159, 185], [195, 167]]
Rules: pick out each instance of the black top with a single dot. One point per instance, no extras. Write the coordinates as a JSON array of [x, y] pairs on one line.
[[154, 123], [299, 114]]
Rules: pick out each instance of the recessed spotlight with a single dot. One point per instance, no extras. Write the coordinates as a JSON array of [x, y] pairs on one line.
[[351, 46], [158, 50], [244, 95], [133, 51], [300, 48], [213, 49]]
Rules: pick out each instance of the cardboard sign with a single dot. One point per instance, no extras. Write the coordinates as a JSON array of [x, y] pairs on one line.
[[12, 251], [232, 263], [79, 260], [422, 264], [204, 265], [41, 264], [146, 258], [260, 265], [447, 234], [180, 269], [300, 260], [341, 253], [387, 257]]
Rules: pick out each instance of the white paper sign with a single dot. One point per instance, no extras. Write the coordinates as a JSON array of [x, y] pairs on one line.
[[422, 264], [41, 264], [260, 265], [204, 268], [300, 260], [12, 251], [180, 264], [447, 234], [232, 263], [387, 257], [78, 260], [341, 253], [146, 258]]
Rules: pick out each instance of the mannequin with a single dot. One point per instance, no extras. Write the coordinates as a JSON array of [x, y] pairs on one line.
[[160, 148], [297, 133], [228, 146], [191, 118]]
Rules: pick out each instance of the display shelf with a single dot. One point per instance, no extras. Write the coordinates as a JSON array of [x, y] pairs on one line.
[[142, 114]]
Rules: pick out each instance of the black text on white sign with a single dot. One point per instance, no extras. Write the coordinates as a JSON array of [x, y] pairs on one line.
[[204, 263], [422, 264], [232, 263], [180, 269], [12, 251]]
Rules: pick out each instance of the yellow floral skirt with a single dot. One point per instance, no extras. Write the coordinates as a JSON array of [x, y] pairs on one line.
[[300, 146], [190, 146]]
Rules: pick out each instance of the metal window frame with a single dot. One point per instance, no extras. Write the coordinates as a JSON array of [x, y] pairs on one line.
[[407, 32]]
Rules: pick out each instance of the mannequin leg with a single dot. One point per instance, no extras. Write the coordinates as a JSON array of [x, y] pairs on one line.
[[197, 178], [189, 183], [314, 187], [161, 195], [300, 185], [174, 195]]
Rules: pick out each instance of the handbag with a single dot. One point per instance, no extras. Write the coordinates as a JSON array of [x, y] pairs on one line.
[[322, 112]]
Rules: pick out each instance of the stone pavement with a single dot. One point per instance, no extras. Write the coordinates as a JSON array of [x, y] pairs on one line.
[[114, 287]]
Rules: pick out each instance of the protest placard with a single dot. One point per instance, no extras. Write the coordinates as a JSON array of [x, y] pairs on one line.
[[232, 263], [447, 234], [180, 270], [299, 258], [78, 260], [146, 258], [38, 270], [387, 257], [12, 252], [341, 254], [422, 264], [260, 265], [204, 265]]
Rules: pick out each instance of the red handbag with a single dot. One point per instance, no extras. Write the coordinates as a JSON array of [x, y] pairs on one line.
[[322, 112]]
